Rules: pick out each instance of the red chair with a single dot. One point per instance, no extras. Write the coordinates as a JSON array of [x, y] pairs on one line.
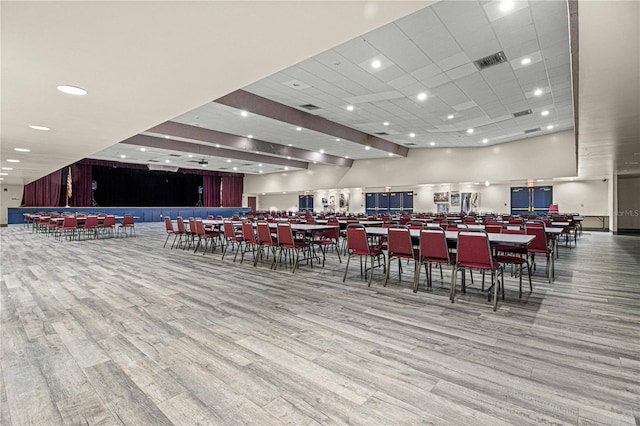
[[68, 228], [202, 235], [168, 226], [540, 245], [183, 235], [108, 224], [433, 249], [474, 252], [291, 245], [358, 245], [249, 240], [493, 228], [265, 239], [127, 223], [329, 238], [91, 226], [515, 256], [231, 238], [400, 247]]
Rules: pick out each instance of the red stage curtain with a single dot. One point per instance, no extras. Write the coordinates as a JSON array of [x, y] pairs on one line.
[[211, 190], [44, 192], [81, 176], [232, 186]]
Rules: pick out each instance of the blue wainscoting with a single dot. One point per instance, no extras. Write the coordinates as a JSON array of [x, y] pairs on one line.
[[145, 214]]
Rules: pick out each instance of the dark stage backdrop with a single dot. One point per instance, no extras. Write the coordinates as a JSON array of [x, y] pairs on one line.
[[144, 188]]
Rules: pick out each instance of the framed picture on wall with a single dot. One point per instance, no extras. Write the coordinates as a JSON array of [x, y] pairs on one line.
[[440, 197], [443, 208], [455, 198]]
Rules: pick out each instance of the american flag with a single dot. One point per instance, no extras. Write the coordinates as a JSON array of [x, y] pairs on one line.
[[69, 184]]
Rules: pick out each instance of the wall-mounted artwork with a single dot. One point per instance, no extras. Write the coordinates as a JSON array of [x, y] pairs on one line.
[[344, 201], [440, 197], [442, 208], [455, 198], [469, 201]]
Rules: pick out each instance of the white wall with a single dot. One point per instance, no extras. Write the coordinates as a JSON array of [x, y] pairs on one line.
[[11, 196], [288, 202]]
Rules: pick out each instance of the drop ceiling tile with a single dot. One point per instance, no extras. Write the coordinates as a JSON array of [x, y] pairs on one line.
[[394, 44], [462, 71], [403, 81], [436, 80], [454, 61], [426, 72]]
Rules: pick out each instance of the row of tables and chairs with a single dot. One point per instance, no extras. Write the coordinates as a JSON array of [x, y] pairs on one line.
[[80, 226]]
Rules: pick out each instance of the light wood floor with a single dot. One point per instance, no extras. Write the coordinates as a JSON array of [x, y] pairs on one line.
[[122, 331]]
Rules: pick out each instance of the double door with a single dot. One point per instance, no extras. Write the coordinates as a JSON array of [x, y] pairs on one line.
[[389, 202], [305, 203], [535, 199]]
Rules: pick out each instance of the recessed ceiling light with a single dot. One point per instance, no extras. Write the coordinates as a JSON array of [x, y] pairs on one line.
[[286, 168], [550, 126], [143, 149], [250, 136], [412, 135], [13, 161], [422, 96], [284, 192], [376, 64], [450, 116], [167, 161], [337, 139], [72, 90], [544, 113], [469, 131], [235, 168], [485, 140], [537, 92], [204, 165], [39, 127], [506, 5], [476, 183], [22, 149], [260, 171], [288, 158], [4, 174], [386, 123], [432, 143], [350, 107], [260, 165], [298, 128], [228, 161], [167, 137], [7, 168], [244, 113], [190, 155], [123, 156], [539, 180], [322, 151], [391, 154], [525, 61], [315, 162], [1, 178], [346, 156], [367, 147], [486, 183]]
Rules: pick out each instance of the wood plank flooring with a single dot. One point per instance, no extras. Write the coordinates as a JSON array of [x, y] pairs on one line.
[[122, 331]]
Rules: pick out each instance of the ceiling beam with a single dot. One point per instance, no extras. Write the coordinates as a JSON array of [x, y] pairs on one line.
[[198, 134], [255, 104], [200, 149]]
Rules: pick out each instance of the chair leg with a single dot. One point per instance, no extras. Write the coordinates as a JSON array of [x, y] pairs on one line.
[[386, 275], [452, 293], [344, 277], [416, 279]]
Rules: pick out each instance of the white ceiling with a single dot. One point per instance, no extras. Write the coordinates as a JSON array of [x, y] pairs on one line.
[[138, 82]]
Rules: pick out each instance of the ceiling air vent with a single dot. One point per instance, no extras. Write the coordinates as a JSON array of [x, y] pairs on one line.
[[310, 107], [175, 155], [203, 162], [153, 161], [521, 113], [488, 61], [382, 133], [537, 129], [410, 144]]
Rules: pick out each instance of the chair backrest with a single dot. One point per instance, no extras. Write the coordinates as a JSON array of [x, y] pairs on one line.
[[357, 239], [109, 221], [539, 243], [473, 249], [415, 224], [168, 225], [70, 222], [91, 222], [433, 245], [400, 242], [332, 233], [198, 227], [229, 232], [193, 229], [127, 220], [264, 233], [493, 228], [285, 235], [247, 233], [180, 224]]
